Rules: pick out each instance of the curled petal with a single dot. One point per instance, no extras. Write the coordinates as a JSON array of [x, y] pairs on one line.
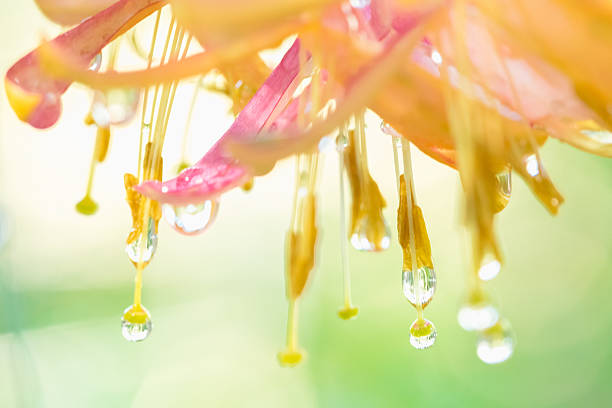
[[218, 171], [34, 95], [69, 12]]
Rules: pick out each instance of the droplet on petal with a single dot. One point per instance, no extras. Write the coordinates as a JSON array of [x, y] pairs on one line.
[[143, 248], [426, 278], [477, 313], [96, 63], [422, 334], [115, 106], [136, 323], [489, 267], [193, 218], [496, 344]]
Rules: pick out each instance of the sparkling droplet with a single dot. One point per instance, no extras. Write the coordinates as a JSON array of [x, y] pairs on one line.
[[147, 248], [477, 313], [496, 344], [504, 182], [532, 166], [96, 63], [426, 278], [341, 142], [371, 235], [136, 323], [489, 267], [193, 218], [360, 3], [422, 334], [115, 106]]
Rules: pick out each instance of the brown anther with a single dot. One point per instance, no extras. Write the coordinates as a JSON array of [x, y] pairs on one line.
[[300, 246], [102, 141], [422, 244]]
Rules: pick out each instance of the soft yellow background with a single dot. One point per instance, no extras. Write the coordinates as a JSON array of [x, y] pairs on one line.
[[217, 299]]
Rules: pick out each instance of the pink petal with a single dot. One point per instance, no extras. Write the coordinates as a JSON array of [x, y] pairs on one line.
[[35, 96], [218, 171], [69, 12]]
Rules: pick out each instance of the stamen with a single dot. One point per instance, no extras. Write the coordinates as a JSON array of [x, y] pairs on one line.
[[184, 163], [369, 230], [348, 311], [300, 249]]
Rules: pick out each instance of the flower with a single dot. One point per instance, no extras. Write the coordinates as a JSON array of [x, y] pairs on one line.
[[475, 84]]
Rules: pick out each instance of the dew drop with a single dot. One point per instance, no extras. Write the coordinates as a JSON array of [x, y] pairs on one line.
[[477, 313], [139, 251], [115, 106], [504, 182], [193, 218], [360, 3], [489, 267], [136, 323], [96, 63], [371, 235], [422, 334], [426, 278], [496, 344]]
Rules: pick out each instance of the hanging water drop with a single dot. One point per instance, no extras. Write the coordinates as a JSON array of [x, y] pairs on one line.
[[489, 267], [143, 248], [115, 106], [95, 63], [371, 234], [504, 189], [422, 334], [136, 323], [477, 313], [496, 344], [426, 281], [193, 218]]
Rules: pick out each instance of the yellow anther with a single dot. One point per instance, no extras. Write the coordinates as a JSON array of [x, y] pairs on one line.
[[136, 314], [102, 141], [422, 244], [248, 186], [87, 206]]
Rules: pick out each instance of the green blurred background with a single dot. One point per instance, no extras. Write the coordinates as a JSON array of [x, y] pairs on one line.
[[217, 300]]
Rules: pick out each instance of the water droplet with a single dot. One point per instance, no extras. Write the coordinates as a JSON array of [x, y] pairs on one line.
[[136, 323], [496, 344], [341, 142], [193, 218], [426, 278], [504, 182], [436, 57], [115, 106], [96, 63], [489, 267], [360, 3], [136, 247], [532, 166], [422, 334], [371, 235], [477, 313]]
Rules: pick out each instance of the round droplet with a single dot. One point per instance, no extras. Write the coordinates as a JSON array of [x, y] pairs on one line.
[[341, 142], [289, 358], [477, 313], [115, 106], [371, 234], [489, 267], [136, 323], [193, 218], [422, 334], [96, 63], [143, 248], [425, 285], [496, 344], [360, 3]]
